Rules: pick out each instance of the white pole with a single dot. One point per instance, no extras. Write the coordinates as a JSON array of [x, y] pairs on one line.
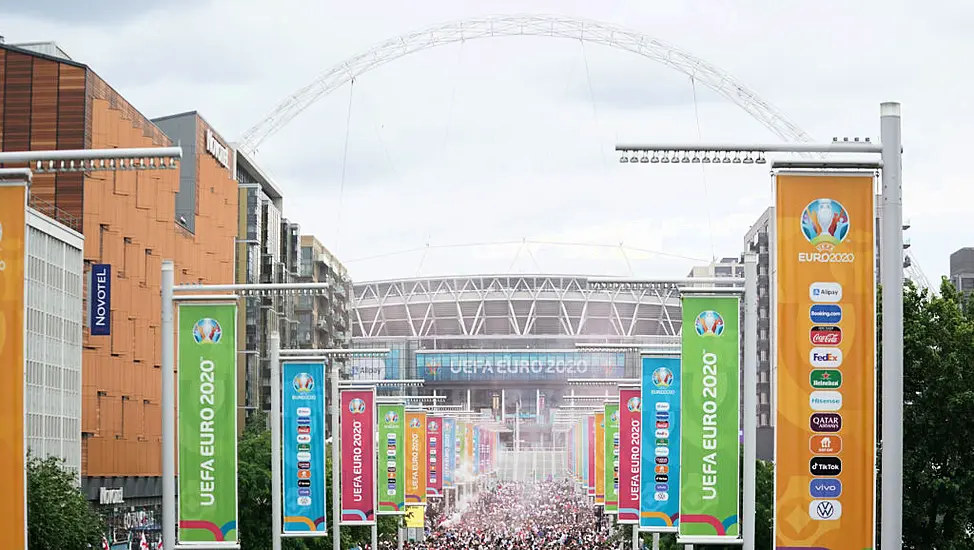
[[503, 406], [750, 395], [635, 536], [891, 256], [276, 514], [168, 409], [375, 535], [656, 542]]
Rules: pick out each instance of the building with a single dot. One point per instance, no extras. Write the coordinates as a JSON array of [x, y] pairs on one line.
[[506, 342], [55, 320], [962, 269], [760, 240], [323, 319], [128, 219], [267, 252], [725, 267]]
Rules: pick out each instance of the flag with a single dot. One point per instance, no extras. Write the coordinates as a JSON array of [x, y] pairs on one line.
[[104, 543], [159, 547], [144, 545]]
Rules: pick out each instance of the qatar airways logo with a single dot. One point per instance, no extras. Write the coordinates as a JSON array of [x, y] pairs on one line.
[[825, 335]]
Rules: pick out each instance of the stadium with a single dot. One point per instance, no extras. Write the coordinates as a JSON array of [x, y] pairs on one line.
[[508, 344]]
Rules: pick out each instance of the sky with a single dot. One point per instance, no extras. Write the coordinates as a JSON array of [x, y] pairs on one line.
[[496, 155]]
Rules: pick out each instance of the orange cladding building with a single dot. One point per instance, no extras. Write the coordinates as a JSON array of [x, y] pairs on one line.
[[129, 221]]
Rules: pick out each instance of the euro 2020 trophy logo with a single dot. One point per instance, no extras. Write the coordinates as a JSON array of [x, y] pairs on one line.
[[356, 406], [825, 223], [709, 323], [207, 331], [303, 383], [634, 404]]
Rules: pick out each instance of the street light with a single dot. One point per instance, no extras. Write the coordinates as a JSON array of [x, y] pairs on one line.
[[82, 160], [890, 163]]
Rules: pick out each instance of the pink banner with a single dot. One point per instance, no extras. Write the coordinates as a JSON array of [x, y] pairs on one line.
[[590, 428], [630, 430], [434, 448], [358, 456]]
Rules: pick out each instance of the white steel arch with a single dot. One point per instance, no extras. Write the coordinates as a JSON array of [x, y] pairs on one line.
[[523, 25]]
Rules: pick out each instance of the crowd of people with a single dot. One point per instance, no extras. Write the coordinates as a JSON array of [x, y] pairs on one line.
[[518, 516]]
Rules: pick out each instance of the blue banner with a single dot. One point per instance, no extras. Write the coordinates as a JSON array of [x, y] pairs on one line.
[[449, 451], [100, 300], [476, 450], [303, 435], [465, 366], [660, 469]]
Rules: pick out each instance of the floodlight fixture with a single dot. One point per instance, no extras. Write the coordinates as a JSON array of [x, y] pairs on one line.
[[96, 160], [408, 383]]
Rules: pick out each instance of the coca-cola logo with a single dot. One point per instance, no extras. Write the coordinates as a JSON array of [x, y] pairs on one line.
[[825, 335]]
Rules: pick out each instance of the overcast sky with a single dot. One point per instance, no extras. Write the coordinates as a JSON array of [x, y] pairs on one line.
[[509, 140]]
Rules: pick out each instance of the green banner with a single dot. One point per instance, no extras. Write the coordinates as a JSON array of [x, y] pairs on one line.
[[709, 446], [611, 458], [390, 470], [206, 341]]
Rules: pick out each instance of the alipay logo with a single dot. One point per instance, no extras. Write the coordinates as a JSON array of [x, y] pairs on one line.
[[825, 400], [825, 314], [827, 293], [825, 357]]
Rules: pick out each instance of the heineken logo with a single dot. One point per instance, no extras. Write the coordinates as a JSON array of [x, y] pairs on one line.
[[825, 379]]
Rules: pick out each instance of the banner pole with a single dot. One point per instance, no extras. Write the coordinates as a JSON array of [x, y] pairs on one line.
[[276, 528], [891, 256], [655, 541], [750, 396], [335, 459], [375, 535], [168, 409]]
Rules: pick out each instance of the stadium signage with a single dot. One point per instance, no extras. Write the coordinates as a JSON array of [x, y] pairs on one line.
[[465, 366]]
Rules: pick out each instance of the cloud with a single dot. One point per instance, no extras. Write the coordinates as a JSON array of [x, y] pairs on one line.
[[497, 140]]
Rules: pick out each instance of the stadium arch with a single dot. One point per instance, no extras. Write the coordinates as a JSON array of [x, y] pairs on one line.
[[523, 25]]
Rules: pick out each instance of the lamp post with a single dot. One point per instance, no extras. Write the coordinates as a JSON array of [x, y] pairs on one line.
[[890, 164], [172, 293], [73, 160]]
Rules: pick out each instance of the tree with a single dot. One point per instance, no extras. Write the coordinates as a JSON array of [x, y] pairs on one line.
[[59, 516], [254, 496], [938, 419]]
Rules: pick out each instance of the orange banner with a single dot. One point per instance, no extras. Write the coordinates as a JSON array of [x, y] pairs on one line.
[[13, 227], [826, 307], [600, 459], [415, 457]]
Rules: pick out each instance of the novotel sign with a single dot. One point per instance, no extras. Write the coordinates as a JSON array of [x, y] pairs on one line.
[[218, 150], [100, 300]]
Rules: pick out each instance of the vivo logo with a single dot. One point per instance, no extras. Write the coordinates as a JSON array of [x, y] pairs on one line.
[[825, 488], [825, 314], [829, 293], [825, 357]]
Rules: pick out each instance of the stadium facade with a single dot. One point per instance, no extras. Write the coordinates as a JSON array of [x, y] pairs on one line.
[[508, 343]]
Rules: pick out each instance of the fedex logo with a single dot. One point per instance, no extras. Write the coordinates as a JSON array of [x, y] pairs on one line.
[[825, 357]]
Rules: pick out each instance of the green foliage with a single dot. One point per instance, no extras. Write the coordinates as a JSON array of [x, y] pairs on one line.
[[938, 419], [254, 455], [59, 516]]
